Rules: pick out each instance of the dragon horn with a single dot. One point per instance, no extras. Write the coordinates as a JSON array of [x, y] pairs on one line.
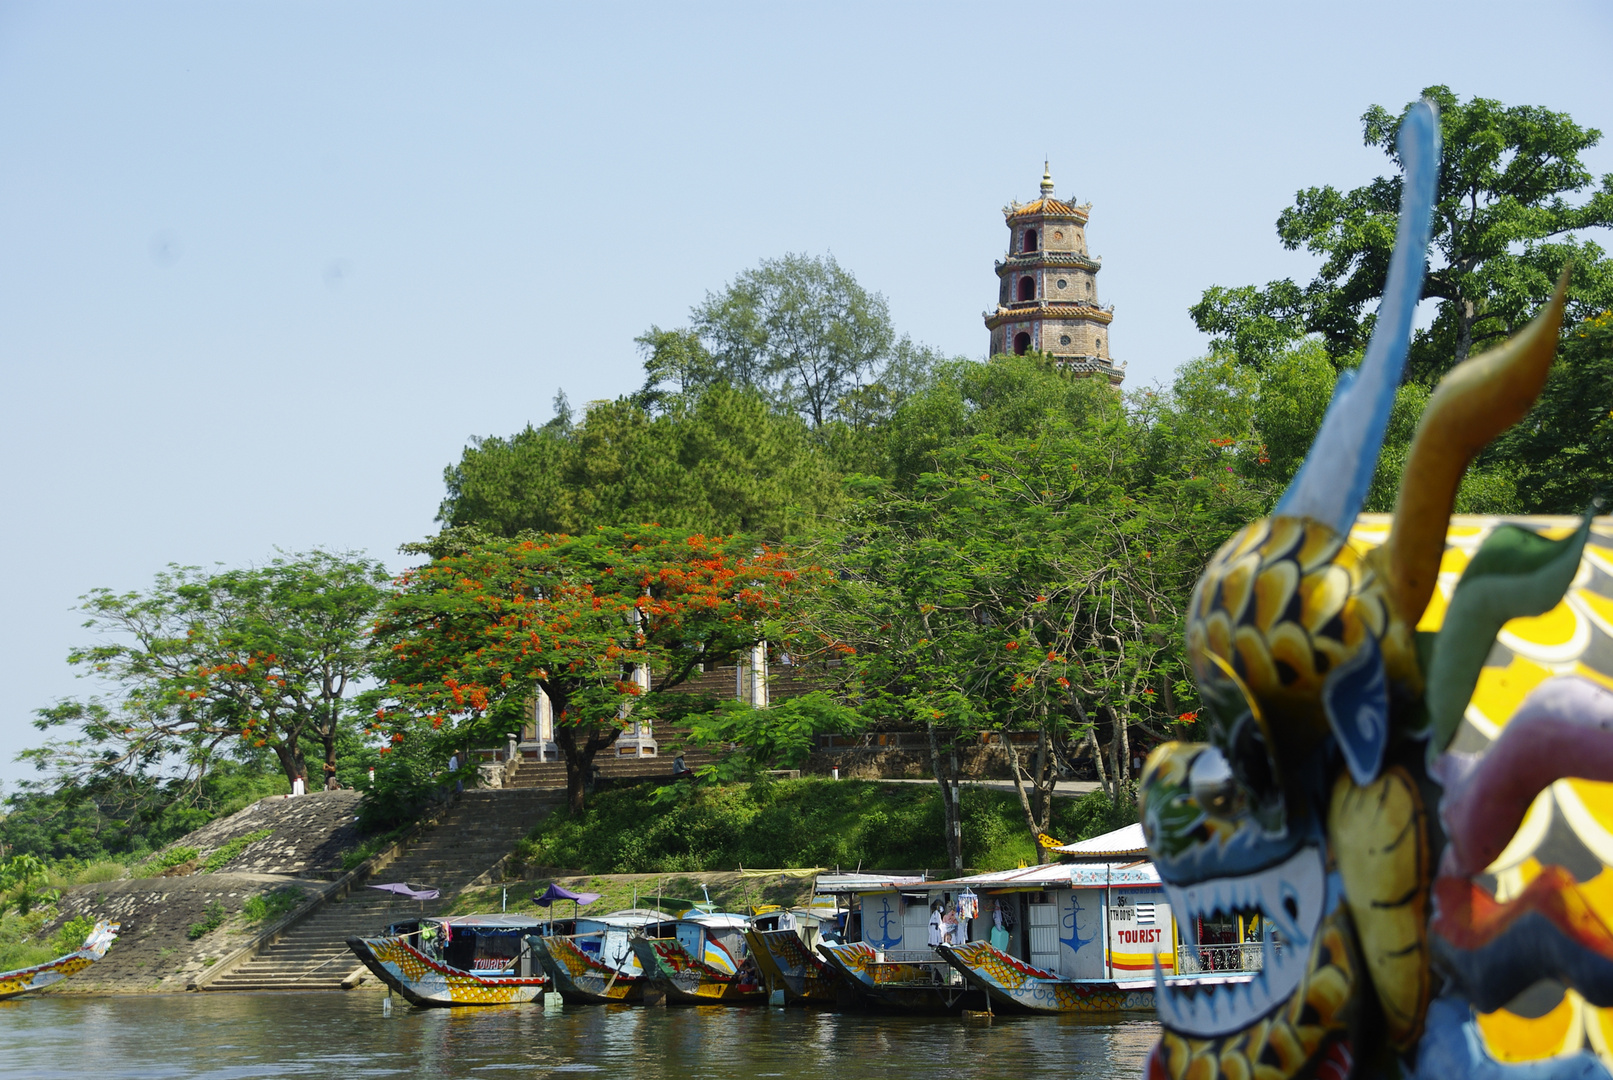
[[1352, 431], [1475, 402]]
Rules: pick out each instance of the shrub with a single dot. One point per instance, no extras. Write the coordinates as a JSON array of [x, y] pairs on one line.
[[272, 905], [227, 854], [70, 938], [96, 872], [213, 918]]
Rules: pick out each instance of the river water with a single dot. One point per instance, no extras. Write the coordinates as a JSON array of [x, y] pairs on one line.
[[242, 1036]]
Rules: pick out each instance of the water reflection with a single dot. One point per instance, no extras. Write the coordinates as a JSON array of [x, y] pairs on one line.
[[243, 1036]]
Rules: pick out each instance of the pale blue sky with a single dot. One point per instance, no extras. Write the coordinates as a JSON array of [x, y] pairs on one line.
[[265, 267]]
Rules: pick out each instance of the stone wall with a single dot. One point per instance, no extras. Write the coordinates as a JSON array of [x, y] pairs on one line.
[[311, 833], [153, 953]]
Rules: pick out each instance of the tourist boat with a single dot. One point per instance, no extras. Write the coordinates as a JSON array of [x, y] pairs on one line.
[[595, 964], [783, 943], [457, 960], [700, 959], [1085, 934], [27, 980], [1014, 985]]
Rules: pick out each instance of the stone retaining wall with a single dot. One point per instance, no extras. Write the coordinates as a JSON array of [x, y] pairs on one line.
[[153, 953]]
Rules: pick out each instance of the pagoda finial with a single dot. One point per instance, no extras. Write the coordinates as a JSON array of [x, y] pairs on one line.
[[1047, 181]]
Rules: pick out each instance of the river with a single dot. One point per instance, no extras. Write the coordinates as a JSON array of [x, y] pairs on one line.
[[243, 1036]]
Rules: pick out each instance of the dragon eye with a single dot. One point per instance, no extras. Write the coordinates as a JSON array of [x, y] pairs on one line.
[[1211, 782]]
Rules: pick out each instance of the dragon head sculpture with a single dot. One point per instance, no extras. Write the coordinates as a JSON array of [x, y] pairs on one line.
[[1330, 805]]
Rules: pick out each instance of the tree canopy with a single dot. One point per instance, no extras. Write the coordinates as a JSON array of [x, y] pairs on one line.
[[1026, 567], [472, 636], [1504, 227], [718, 462], [260, 659]]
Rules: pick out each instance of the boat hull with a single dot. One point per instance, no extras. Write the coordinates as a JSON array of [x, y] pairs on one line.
[[901, 986], [429, 983], [29, 979], [683, 980], [581, 979], [1014, 985], [790, 966]]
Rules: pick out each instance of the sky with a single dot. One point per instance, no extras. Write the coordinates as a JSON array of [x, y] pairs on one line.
[[265, 267]]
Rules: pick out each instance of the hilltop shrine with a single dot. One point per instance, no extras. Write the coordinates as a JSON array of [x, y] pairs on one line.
[[1047, 296]]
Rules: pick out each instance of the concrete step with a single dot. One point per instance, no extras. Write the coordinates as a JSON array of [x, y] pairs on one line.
[[477, 832]]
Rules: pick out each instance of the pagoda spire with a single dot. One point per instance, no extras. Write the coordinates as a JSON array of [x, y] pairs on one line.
[[1047, 181]]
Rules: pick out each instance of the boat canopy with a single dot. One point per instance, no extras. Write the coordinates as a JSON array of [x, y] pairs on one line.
[[1125, 841], [843, 884]]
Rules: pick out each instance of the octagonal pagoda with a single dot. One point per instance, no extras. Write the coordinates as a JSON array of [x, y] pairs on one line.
[[1047, 296]]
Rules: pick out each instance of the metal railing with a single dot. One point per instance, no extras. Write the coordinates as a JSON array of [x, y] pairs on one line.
[[1216, 959]]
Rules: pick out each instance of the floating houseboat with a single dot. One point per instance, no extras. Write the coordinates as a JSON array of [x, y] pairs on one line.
[[595, 964], [27, 980], [457, 960], [882, 953], [699, 959], [784, 944], [1081, 935]]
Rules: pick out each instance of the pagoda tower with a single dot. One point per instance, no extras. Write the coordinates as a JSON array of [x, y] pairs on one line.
[[1047, 296]]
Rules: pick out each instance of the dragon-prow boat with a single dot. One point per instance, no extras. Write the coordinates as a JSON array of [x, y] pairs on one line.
[[27, 980], [700, 959], [457, 960], [596, 965], [783, 943]]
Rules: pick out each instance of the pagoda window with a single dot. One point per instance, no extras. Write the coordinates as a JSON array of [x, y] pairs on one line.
[[1027, 288], [1029, 241], [1022, 343]]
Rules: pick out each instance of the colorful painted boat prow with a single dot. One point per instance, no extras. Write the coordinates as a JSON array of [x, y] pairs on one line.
[[27, 980], [790, 966], [1013, 984], [426, 982], [921, 983], [596, 965], [700, 960]]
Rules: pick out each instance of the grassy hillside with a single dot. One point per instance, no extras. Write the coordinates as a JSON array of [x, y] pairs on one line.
[[791, 823]]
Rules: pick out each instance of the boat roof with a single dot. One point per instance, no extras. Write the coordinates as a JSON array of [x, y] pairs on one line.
[[631, 917], [856, 883], [1078, 875], [496, 921], [720, 920], [1123, 841]]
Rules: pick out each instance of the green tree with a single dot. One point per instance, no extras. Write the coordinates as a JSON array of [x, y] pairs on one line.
[[471, 636], [718, 462], [800, 328], [268, 656], [1503, 229], [1025, 570], [1563, 450]]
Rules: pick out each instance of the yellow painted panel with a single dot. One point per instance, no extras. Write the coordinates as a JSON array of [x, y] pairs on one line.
[[1509, 1037], [1598, 799], [1434, 614], [1555, 627], [1501, 690]]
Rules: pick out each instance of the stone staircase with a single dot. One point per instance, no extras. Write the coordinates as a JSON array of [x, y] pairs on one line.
[[478, 831]]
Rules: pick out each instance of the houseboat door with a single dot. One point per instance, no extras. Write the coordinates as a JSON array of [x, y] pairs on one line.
[[1044, 932]]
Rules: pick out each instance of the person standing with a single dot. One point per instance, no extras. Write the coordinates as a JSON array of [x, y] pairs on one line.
[[935, 924]]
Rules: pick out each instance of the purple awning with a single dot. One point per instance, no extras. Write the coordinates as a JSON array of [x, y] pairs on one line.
[[413, 892], [556, 892]]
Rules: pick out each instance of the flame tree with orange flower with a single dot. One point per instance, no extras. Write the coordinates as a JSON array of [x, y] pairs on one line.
[[470, 636]]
